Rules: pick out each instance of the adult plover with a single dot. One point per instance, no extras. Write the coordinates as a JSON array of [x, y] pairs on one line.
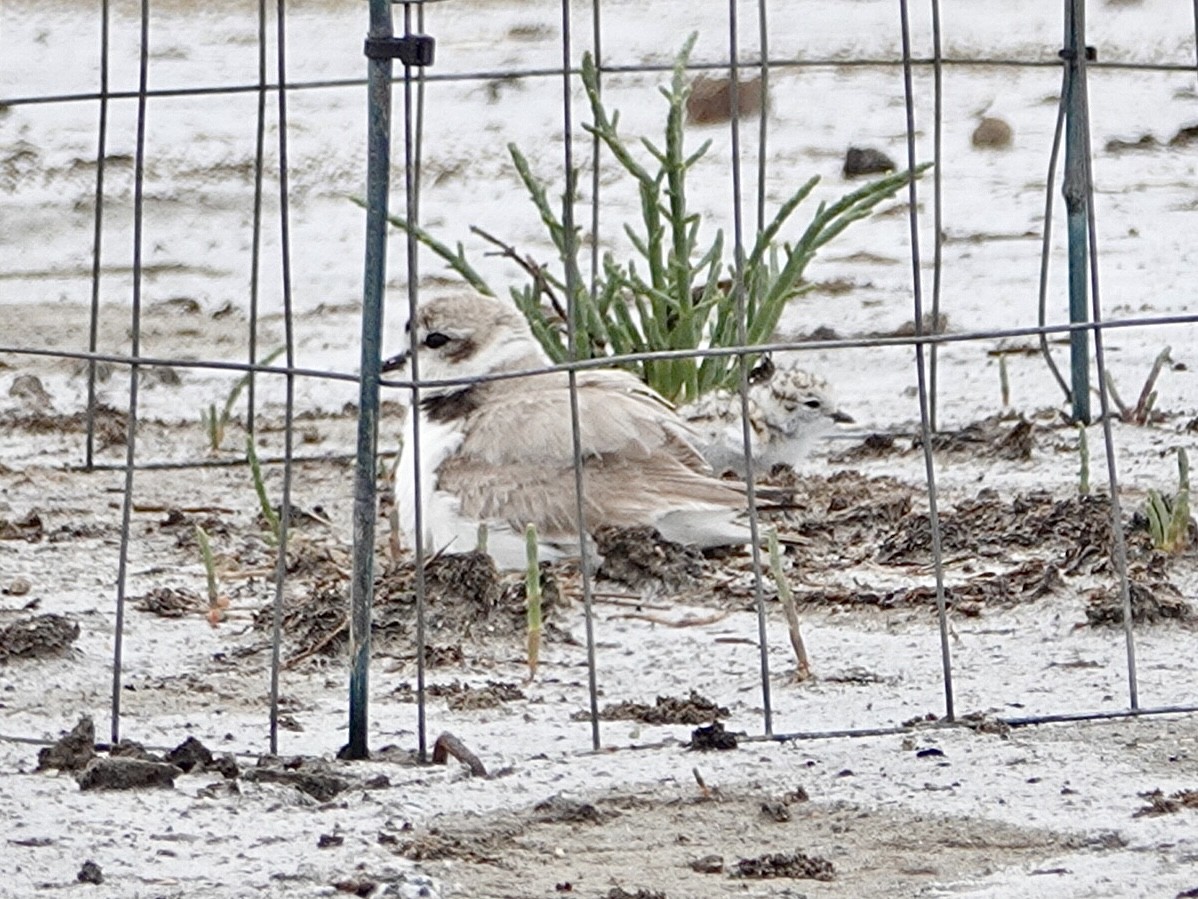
[[500, 452], [789, 408]]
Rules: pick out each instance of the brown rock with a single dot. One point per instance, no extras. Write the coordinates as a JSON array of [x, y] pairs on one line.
[[992, 134], [710, 99]]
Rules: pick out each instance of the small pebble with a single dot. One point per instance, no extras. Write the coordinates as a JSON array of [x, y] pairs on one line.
[[19, 586]]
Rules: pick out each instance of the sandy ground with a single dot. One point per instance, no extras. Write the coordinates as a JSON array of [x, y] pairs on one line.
[[1037, 811]]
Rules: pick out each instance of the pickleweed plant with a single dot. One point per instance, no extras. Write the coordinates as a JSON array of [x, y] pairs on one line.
[[678, 290]]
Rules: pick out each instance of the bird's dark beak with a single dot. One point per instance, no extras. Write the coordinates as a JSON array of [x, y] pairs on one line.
[[843, 418], [395, 363]]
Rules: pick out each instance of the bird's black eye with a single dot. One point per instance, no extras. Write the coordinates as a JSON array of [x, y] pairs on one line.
[[436, 339], [813, 404]]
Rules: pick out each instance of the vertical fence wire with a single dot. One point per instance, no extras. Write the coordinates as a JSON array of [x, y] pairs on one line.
[[251, 396], [289, 409], [97, 240], [1082, 108], [569, 257], [413, 436], [411, 196], [925, 424], [139, 160], [378, 154], [1195, 5], [937, 211], [597, 47], [742, 338], [1046, 240], [763, 40]]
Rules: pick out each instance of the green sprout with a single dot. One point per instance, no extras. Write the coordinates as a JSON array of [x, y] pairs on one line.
[[217, 604], [532, 589], [1169, 517], [215, 423], [803, 670], [268, 512]]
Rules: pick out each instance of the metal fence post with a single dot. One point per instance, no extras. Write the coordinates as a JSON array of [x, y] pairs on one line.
[[1074, 191], [365, 501]]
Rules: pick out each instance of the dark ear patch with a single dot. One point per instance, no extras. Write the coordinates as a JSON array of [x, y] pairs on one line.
[[462, 349], [450, 406]]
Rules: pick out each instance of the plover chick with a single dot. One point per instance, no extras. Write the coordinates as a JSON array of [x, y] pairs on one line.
[[789, 409], [501, 452]]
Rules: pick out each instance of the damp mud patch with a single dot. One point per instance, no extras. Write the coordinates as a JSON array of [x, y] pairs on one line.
[[646, 843], [111, 425]]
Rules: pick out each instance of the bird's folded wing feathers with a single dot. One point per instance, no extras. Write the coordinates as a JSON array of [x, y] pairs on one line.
[[529, 420]]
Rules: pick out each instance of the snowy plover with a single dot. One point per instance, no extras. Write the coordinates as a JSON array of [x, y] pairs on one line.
[[500, 452], [789, 408]]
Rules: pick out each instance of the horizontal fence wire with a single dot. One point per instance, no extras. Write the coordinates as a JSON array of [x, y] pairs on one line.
[[610, 68], [798, 346]]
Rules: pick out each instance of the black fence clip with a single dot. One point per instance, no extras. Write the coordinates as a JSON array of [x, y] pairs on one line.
[[411, 49], [1070, 55]]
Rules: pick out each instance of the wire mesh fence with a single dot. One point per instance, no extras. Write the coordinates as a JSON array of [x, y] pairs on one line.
[[179, 216]]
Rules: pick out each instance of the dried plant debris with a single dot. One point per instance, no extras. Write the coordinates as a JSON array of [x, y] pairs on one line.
[[73, 751], [313, 777], [459, 696], [28, 527], [794, 865], [842, 516], [694, 709], [465, 596], [621, 893], [488, 846], [1025, 582], [712, 737], [558, 809], [872, 446], [189, 754], [127, 774], [1002, 436], [1160, 804], [1075, 531], [37, 637], [641, 557], [1150, 603], [170, 602]]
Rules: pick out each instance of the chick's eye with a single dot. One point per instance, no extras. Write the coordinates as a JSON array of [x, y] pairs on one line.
[[436, 339], [813, 404]]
